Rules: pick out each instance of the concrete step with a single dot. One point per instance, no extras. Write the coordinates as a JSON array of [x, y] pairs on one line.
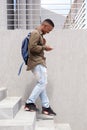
[[45, 125], [24, 120], [44, 122], [3, 93], [62, 127], [44, 117], [9, 107]]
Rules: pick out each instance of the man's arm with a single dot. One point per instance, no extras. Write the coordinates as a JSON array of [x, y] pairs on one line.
[[33, 46]]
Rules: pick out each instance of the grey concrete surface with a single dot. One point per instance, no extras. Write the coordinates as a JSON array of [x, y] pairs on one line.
[[3, 93], [9, 107], [22, 121], [62, 126], [45, 125]]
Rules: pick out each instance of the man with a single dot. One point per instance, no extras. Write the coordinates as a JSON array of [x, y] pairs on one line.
[[37, 64]]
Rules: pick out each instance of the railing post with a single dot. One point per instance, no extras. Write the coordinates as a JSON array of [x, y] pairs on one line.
[[29, 20], [36, 12], [10, 14], [21, 13]]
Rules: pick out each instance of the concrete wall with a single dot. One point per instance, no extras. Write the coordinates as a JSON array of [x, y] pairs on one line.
[[3, 14], [67, 73]]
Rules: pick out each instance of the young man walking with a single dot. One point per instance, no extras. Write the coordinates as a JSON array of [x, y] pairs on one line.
[[37, 64]]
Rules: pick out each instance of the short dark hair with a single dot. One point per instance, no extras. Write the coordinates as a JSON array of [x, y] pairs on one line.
[[49, 21]]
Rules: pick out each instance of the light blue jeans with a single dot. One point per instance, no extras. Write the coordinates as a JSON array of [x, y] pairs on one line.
[[39, 90]]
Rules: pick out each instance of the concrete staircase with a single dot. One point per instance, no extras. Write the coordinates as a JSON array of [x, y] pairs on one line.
[[13, 116], [45, 122], [9, 107]]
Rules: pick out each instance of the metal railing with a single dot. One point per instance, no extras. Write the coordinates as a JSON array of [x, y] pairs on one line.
[[80, 20], [28, 16], [77, 17]]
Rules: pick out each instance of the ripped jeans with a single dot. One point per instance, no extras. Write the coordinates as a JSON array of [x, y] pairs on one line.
[[39, 90]]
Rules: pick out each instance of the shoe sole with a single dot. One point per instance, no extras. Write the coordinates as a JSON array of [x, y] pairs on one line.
[[49, 114], [27, 109]]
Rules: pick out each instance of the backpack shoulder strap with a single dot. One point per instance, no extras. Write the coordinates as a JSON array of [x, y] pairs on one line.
[[20, 68]]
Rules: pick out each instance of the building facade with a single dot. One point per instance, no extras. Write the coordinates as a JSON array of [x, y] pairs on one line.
[[27, 14], [19, 14], [77, 17]]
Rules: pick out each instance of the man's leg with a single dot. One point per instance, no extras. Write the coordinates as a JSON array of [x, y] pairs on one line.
[[41, 76], [40, 73], [44, 99]]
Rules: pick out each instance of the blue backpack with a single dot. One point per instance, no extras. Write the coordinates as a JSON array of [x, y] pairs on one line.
[[24, 51]]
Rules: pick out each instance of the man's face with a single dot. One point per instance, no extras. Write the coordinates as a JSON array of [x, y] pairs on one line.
[[47, 28]]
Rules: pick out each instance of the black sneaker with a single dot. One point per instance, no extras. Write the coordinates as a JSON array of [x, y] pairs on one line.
[[48, 111], [30, 107]]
